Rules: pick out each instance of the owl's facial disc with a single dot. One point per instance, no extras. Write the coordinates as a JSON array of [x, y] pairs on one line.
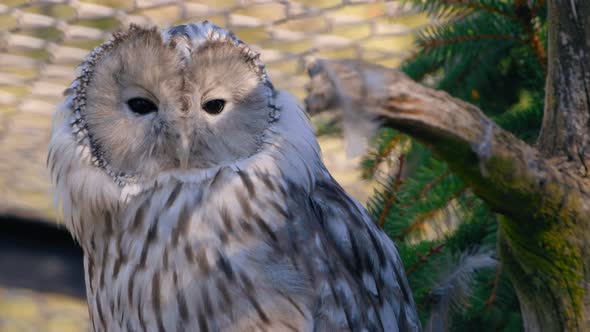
[[151, 106]]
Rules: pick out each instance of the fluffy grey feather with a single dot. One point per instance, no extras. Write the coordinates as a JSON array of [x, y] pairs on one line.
[[358, 126], [452, 292]]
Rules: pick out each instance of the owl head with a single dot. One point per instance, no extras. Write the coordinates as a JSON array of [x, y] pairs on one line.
[[180, 104], [191, 96]]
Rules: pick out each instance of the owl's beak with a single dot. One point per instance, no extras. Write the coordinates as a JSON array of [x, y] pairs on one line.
[[183, 151]]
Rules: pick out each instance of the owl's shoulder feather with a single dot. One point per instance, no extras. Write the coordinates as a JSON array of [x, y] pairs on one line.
[[368, 254]]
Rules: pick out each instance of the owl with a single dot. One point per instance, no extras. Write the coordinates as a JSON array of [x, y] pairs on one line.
[[198, 195]]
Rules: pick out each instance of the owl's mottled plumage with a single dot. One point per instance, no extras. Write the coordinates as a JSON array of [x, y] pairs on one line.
[[193, 221]]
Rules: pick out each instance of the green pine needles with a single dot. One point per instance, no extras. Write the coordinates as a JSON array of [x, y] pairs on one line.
[[490, 53]]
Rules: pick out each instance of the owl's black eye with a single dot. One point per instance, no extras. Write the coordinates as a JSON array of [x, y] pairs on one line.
[[213, 106], [141, 106]]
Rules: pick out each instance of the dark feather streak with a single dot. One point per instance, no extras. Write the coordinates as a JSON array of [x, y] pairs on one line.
[[246, 208], [225, 266], [227, 301], [140, 215], [265, 228], [289, 326], [183, 221], [100, 314], [173, 195], [247, 183], [267, 181], [202, 261], [293, 303], [105, 259], [279, 209], [90, 273], [188, 252], [202, 322], [180, 299], [150, 239], [108, 223], [156, 301], [130, 284], [140, 313], [225, 217]]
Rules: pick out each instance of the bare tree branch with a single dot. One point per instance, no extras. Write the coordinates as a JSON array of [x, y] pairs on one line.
[[498, 166]]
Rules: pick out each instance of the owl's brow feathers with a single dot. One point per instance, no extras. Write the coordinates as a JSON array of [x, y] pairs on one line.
[[184, 39]]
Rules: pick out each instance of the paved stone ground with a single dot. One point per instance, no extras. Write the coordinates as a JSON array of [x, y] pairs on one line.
[[24, 310]]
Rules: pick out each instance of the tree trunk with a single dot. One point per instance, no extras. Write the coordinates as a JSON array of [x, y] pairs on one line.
[[566, 126], [565, 140], [542, 193]]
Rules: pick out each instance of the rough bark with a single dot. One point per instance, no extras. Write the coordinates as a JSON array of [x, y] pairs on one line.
[[566, 126], [542, 193]]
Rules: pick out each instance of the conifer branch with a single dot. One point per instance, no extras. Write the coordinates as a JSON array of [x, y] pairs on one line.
[[492, 298], [432, 43], [423, 258], [381, 154], [393, 193], [475, 5], [538, 48], [428, 186], [525, 16], [417, 224], [434, 182], [425, 216]]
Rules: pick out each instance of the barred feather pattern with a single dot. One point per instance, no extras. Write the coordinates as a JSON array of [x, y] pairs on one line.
[[269, 242]]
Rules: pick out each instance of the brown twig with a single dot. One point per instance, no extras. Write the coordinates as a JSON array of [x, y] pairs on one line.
[[480, 6], [393, 193], [492, 298], [423, 258], [434, 182], [522, 14], [383, 153], [462, 39], [422, 219], [525, 16], [428, 186]]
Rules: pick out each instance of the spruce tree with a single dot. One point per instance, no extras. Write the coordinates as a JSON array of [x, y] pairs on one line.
[[490, 53]]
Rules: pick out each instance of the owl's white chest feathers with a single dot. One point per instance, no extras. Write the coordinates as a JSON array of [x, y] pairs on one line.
[[191, 254]]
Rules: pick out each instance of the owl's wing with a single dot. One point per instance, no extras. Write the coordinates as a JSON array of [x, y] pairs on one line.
[[376, 293]]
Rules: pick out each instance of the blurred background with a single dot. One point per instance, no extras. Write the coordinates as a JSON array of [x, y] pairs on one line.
[[41, 42]]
